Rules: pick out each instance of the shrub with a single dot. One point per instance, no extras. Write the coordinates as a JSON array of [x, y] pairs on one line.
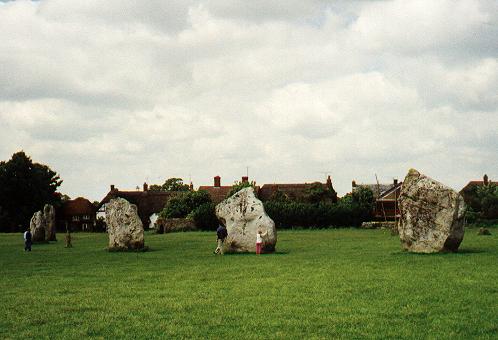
[[288, 214], [183, 204], [204, 216]]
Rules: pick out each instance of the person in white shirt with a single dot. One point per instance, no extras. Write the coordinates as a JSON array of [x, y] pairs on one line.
[[259, 241], [27, 240]]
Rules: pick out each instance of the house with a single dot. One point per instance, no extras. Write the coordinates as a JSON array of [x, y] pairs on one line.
[[217, 192], [386, 199], [469, 192], [76, 215], [148, 202], [293, 191]]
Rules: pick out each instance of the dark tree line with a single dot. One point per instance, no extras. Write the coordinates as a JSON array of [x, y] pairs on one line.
[[25, 187]]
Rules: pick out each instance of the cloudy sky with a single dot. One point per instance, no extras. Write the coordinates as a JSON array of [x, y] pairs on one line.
[[121, 92]]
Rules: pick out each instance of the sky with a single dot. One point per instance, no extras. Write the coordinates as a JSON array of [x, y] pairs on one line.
[[125, 92]]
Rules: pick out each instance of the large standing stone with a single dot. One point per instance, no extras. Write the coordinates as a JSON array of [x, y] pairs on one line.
[[124, 226], [49, 216], [42, 225], [37, 227], [244, 215], [432, 215]]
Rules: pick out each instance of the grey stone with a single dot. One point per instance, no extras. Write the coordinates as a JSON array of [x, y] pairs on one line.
[[432, 215], [244, 215], [42, 225], [124, 226]]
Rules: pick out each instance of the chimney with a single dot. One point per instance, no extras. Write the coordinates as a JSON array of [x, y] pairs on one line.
[[112, 187], [146, 187], [245, 179], [395, 181], [329, 182], [191, 186], [217, 181], [485, 178], [353, 184]]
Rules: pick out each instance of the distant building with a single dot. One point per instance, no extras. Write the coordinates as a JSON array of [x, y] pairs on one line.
[[76, 215], [293, 191], [148, 202], [386, 199], [217, 192], [469, 192]]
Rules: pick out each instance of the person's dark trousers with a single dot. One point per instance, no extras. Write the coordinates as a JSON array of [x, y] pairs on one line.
[[27, 245]]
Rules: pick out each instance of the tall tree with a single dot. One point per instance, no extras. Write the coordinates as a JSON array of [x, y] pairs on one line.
[[171, 184], [24, 188]]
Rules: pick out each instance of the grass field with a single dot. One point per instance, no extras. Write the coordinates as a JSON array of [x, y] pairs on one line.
[[342, 283]]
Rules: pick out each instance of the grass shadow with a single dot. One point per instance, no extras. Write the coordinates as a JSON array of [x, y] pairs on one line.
[[444, 253]]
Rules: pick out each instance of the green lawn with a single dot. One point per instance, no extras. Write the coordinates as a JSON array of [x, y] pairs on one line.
[[342, 283]]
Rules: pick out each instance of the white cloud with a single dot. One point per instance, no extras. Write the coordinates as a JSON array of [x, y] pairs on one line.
[[122, 92]]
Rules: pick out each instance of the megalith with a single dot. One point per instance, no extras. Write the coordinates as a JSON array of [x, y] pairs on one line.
[[42, 225], [432, 215], [49, 216], [124, 226], [37, 227], [244, 216]]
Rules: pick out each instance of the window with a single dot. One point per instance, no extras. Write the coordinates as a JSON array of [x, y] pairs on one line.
[[86, 217], [84, 226], [76, 218]]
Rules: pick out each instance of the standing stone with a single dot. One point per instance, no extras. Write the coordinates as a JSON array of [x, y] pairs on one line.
[[49, 216], [244, 215], [124, 226], [37, 227], [432, 215]]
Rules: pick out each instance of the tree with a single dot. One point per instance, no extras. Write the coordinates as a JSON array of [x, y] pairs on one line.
[[171, 184], [237, 186], [488, 200], [317, 193], [185, 203], [25, 187]]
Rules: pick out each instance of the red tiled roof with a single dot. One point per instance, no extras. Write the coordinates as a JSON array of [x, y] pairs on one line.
[[78, 206], [474, 183], [217, 194]]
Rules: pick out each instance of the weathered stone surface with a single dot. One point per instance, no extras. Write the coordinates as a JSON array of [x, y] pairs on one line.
[[244, 215], [124, 226], [37, 227], [171, 225], [49, 216], [432, 215], [42, 225]]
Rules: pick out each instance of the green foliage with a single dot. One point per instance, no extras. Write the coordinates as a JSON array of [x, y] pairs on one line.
[[183, 204], [25, 187], [318, 193], [171, 184], [204, 216], [288, 214], [241, 185], [364, 197], [488, 200]]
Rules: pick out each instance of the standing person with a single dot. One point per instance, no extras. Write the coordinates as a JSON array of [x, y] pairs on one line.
[[259, 241], [27, 240], [222, 234]]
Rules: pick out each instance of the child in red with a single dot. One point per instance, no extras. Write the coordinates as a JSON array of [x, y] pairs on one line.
[[259, 241]]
